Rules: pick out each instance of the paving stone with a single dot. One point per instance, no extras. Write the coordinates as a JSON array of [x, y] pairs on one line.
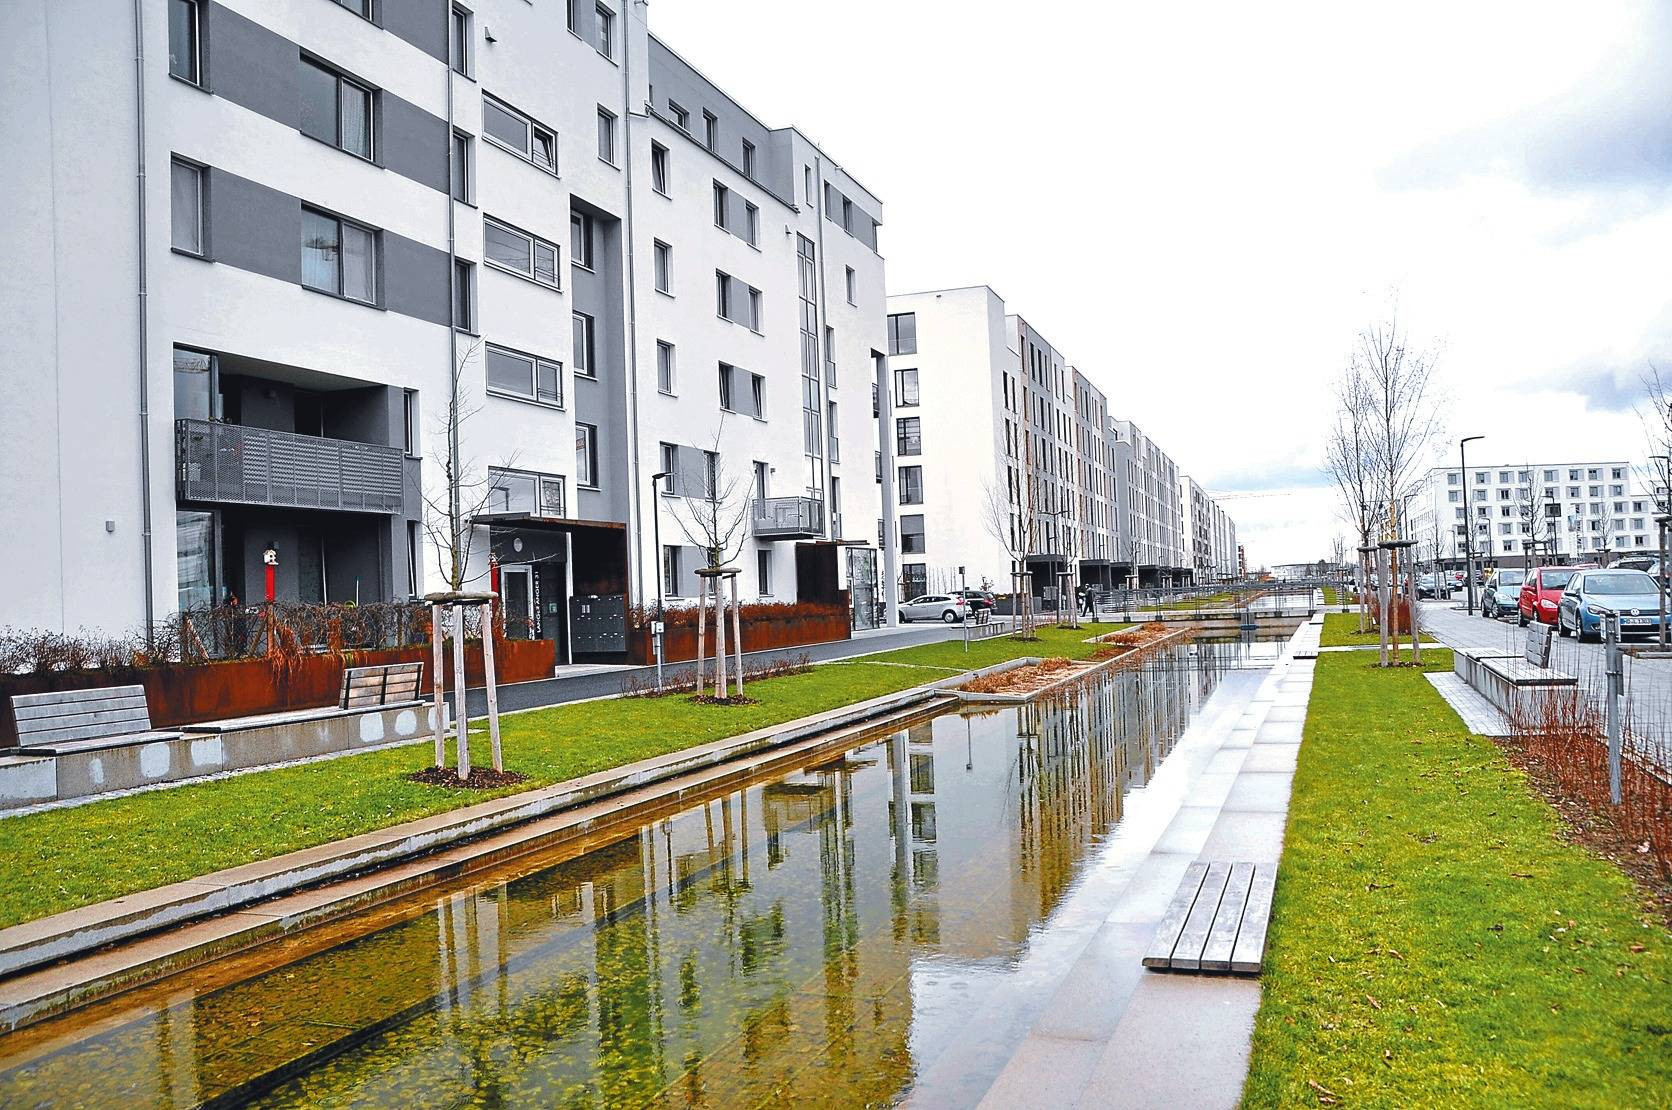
[[1279, 732], [1183, 1043], [1260, 792], [1246, 836], [1272, 757]]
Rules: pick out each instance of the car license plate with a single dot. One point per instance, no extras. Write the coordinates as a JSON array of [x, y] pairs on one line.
[[1636, 620]]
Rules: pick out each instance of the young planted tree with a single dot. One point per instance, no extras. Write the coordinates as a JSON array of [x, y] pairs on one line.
[[1532, 508], [714, 513], [1351, 462], [1655, 411], [1008, 516]]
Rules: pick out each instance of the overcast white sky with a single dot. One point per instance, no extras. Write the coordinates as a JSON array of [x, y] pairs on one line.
[[1202, 203]]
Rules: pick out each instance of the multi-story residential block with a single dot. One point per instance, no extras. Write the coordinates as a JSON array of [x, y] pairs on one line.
[[1573, 511], [347, 231], [1005, 450]]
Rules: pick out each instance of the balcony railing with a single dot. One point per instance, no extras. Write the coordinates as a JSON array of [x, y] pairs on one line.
[[232, 463], [788, 517]]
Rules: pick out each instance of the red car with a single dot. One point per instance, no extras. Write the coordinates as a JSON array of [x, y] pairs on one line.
[[1541, 595]]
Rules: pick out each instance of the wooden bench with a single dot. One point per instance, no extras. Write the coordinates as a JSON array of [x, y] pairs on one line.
[[83, 720], [1217, 921]]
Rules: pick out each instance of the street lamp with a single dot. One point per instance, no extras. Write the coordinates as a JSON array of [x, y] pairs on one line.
[[656, 529], [1663, 521], [1468, 525]]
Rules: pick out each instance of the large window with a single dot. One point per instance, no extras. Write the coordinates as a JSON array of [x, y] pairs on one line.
[[905, 387], [339, 257], [664, 268], [664, 366], [908, 436], [527, 376], [520, 135], [911, 535], [186, 203], [183, 54], [911, 485], [519, 252], [335, 109], [606, 135], [586, 350], [586, 455], [526, 491], [902, 333]]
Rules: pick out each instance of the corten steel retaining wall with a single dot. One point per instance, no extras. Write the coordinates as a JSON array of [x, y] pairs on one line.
[[679, 642], [178, 695]]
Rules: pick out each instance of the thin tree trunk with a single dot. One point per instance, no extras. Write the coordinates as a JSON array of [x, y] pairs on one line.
[[493, 691], [461, 711], [722, 688], [438, 668], [737, 634], [702, 632]]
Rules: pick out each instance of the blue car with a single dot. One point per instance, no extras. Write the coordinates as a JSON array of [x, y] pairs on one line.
[[1634, 595]]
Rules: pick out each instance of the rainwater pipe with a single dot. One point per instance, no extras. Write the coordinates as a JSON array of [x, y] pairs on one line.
[[144, 313]]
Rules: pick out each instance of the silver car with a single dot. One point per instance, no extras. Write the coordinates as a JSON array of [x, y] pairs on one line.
[[932, 607]]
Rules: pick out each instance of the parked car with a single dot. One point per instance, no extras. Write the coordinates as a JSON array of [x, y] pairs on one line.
[[1503, 593], [946, 607], [977, 599], [1634, 595], [1426, 585], [1541, 594]]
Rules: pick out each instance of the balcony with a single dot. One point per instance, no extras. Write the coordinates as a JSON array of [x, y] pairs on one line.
[[788, 518], [235, 464]]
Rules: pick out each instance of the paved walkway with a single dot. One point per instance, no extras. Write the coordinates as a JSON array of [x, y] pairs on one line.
[[1114, 1034]]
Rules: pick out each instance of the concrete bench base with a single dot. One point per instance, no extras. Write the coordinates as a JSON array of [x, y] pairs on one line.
[[205, 749], [1515, 686]]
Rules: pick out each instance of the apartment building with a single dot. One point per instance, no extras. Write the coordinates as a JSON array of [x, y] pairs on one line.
[[1210, 535], [1573, 511], [347, 221], [1005, 452]]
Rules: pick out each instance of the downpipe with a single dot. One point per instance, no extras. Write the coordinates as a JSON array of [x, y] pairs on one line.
[[146, 538]]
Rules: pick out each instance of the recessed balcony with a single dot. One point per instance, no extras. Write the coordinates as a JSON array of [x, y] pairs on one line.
[[241, 465]]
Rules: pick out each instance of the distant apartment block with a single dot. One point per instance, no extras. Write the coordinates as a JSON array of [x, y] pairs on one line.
[[350, 213]]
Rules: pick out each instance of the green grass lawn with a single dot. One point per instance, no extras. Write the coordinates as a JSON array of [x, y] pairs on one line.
[[72, 857], [1341, 630], [1335, 595], [1212, 601], [1434, 941]]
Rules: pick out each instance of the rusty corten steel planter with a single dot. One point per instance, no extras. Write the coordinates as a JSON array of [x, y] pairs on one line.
[[679, 642]]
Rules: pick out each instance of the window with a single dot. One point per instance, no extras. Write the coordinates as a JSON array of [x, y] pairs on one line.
[[606, 136], [526, 491], [853, 286], [754, 319], [726, 374], [902, 333], [459, 41], [659, 168], [681, 118], [520, 135], [664, 366], [464, 295], [914, 580], [905, 387], [722, 202], [186, 203], [908, 436], [183, 54], [409, 422], [911, 485], [523, 375], [723, 295], [807, 184], [606, 31], [519, 252], [586, 455], [573, 14], [585, 350], [339, 257], [711, 130], [710, 473], [463, 170], [763, 571], [748, 159], [664, 268], [336, 110], [757, 396], [751, 224], [580, 240], [762, 476], [670, 568], [911, 535]]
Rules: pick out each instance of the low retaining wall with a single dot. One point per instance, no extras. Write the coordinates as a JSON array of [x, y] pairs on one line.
[[679, 641], [179, 695]]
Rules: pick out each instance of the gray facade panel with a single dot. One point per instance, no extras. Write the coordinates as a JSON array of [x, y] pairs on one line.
[[413, 143], [255, 228], [415, 279], [423, 24], [252, 66]]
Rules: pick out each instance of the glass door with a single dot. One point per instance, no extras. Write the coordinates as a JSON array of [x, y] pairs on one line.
[[516, 589]]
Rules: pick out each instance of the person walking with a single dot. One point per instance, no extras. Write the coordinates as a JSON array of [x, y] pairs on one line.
[[1088, 602]]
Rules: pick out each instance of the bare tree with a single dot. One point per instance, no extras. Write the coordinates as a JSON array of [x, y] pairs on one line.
[[1532, 508], [1008, 517], [465, 491], [715, 518], [1351, 462], [1655, 411]]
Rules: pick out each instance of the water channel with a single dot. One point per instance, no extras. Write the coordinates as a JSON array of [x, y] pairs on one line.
[[882, 923]]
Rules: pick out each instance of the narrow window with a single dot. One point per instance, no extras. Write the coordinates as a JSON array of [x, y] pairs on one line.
[[853, 286], [757, 396], [459, 42], [664, 368], [722, 202], [186, 201], [807, 184], [580, 240], [659, 168], [464, 295], [754, 309], [722, 295], [751, 224], [681, 118], [905, 387], [606, 136], [664, 268], [606, 32], [585, 348], [409, 421], [725, 387], [763, 571], [586, 455], [574, 15], [711, 130], [748, 159], [183, 54], [339, 257], [463, 172]]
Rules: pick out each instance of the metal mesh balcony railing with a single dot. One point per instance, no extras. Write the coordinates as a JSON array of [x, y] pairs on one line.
[[788, 517], [257, 466]]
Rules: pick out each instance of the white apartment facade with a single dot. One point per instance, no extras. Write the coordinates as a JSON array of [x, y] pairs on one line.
[[1150, 541], [1209, 534], [248, 344], [1574, 511]]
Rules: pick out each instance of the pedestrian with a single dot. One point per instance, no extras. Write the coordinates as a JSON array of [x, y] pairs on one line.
[[1087, 606]]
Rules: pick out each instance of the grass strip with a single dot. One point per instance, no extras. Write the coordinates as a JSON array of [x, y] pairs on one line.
[[1435, 941], [1341, 630], [61, 859]]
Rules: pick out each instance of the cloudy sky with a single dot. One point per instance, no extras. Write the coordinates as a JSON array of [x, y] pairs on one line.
[[1201, 204]]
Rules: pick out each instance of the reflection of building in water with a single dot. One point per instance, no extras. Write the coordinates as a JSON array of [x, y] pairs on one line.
[[718, 957]]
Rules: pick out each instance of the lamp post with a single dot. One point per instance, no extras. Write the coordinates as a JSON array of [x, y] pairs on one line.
[[1662, 495], [1468, 526], [656, 530]]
